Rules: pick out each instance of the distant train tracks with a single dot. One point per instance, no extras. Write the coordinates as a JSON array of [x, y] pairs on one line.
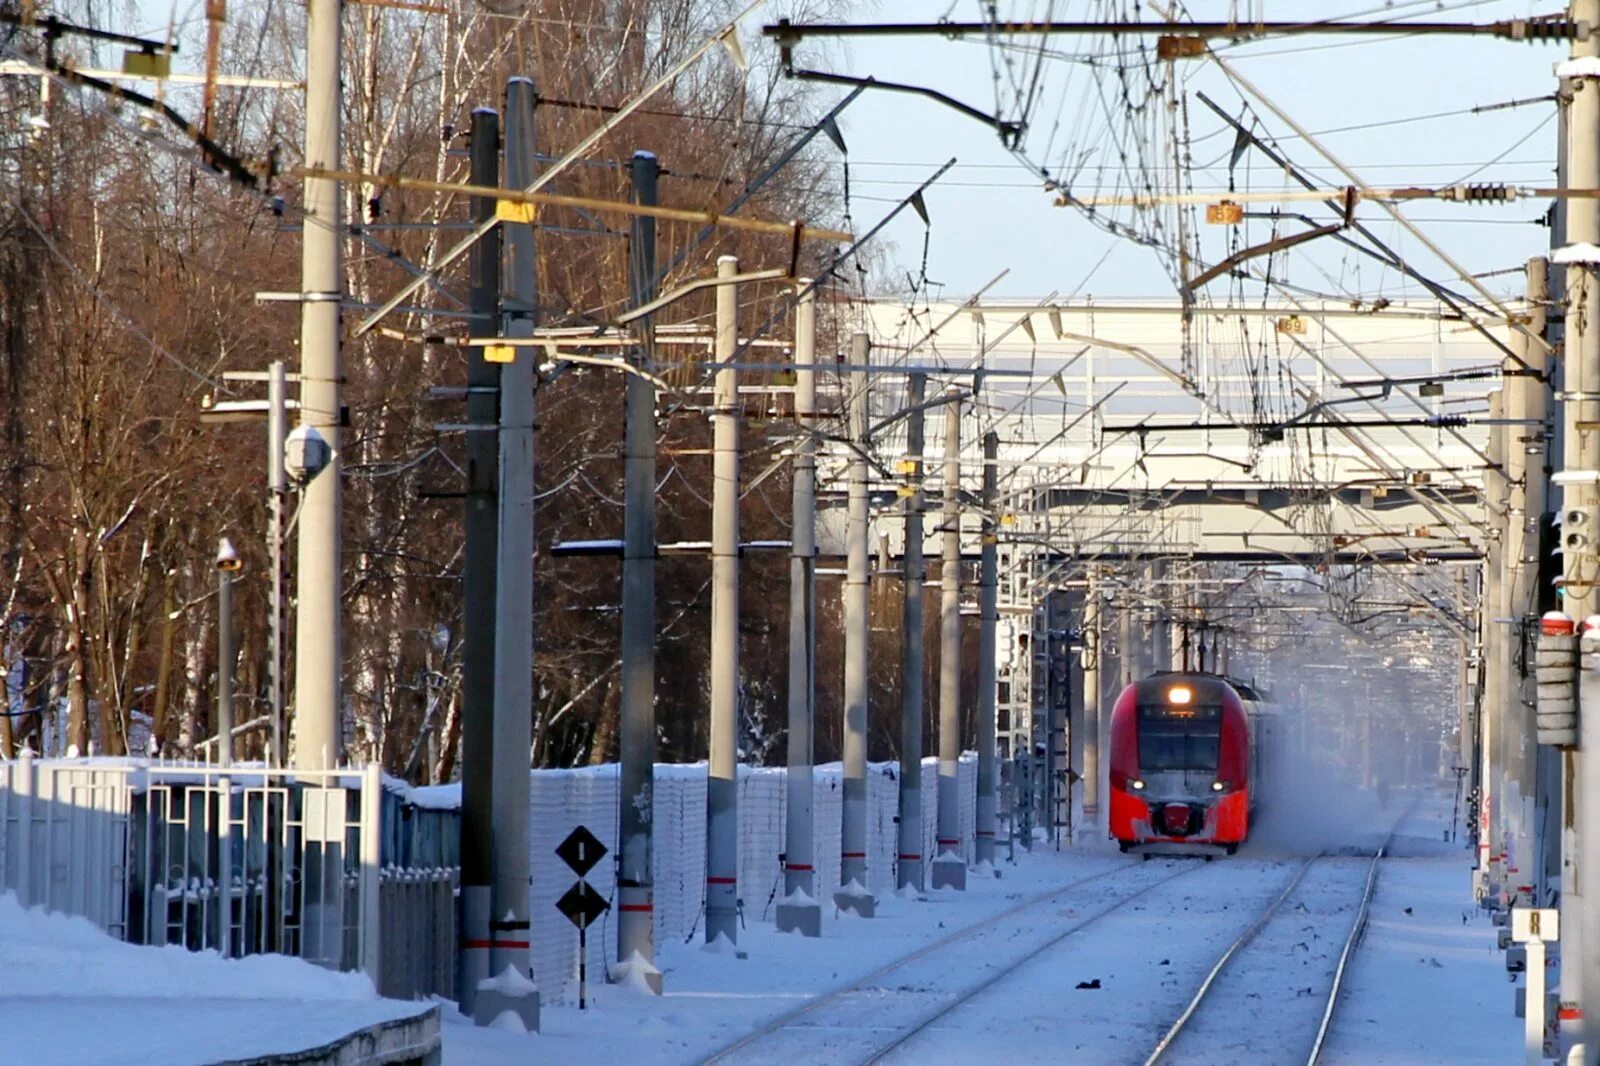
[[922, 995], [1272, 976], [888, 1007]]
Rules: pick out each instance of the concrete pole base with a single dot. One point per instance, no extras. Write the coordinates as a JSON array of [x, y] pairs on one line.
[[636, 973], [802, 918], [950, 871], [856, 900], [508, 994]]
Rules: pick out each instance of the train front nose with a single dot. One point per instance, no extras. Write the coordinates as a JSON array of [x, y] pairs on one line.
[[1179, 819]]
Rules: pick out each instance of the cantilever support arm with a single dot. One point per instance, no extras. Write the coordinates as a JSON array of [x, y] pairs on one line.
[[1009, 131], [1277, 244]]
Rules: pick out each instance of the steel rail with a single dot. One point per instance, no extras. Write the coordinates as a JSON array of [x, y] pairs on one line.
[[1357, 929], [982, 986], [783, 1020], [1171, 1035], [1167, 1039]]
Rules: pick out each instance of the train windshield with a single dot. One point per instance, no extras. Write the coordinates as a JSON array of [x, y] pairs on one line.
[[1179, 738]]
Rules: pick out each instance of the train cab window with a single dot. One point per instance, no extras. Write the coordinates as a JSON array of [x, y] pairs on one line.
[[1174, 738]]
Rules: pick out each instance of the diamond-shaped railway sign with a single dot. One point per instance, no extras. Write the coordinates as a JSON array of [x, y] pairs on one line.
[[582, 905], [581, 850]]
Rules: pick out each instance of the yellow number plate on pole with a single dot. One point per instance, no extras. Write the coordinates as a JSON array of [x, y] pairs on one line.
[[1227, 213]]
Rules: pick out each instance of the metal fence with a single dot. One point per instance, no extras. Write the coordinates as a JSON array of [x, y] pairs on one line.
[[241, 861], [418, 911]]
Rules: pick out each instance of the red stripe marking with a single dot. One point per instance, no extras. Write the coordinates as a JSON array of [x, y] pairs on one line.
[[1570, 1014], [798, 866], [943, 842], [853, 855], [985, 833], [722, 880], [636, 907], [484, 945], [917, 855], [1524, 888]]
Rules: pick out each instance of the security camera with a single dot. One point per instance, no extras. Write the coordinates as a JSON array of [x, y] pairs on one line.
[[228, 556], [305, 453]]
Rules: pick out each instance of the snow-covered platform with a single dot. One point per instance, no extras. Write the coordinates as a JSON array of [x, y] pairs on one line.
[[74, 995]]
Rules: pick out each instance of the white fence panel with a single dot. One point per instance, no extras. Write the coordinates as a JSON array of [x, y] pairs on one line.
[[62, 845], [65, 844], [561, 800]]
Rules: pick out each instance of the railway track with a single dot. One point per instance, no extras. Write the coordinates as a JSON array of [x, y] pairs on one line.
[[1265, 986], [870, 1018]]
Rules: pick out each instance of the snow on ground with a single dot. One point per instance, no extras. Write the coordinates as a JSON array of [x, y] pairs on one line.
[[74, 995], [1141, 963], [1427, 985], [1399, 1007], [711, 1000]]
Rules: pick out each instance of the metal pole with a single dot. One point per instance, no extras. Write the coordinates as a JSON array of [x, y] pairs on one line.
[[989, 619], [1056, 793], [1466, 724], [1490, 817], [949, 864], [1556, 762], [854, 894], [1127, 666], [369, 880], [722, 790], [317, 639], [223, 797], [1533, 1021], [227, 656], [637, 735], [513, 627], [479, 581], [1091, 703], [1160, 636], [909, 854], [1578, 108], [1530, 401], [1583, 456], [799, 871], [277, 496], [1583, 1015]]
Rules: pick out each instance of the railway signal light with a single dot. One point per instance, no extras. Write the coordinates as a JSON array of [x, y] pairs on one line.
[[1577, 531], [1550, 577]]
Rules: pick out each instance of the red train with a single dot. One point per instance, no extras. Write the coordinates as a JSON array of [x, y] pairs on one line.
[[1185, 759]]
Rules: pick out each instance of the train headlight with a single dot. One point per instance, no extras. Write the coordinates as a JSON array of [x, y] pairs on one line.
[[1218, 786], [1179, 694], [1136, 784]]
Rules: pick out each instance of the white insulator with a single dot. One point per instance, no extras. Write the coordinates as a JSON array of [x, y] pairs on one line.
[[1556, 669]]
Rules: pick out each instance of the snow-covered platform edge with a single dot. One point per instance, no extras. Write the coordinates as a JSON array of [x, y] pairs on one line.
[[400, 1042]]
